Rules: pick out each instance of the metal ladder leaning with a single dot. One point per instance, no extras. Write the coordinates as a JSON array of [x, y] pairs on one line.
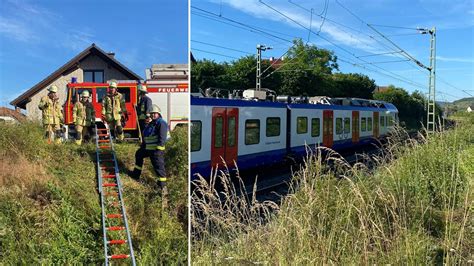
[[114, 217]]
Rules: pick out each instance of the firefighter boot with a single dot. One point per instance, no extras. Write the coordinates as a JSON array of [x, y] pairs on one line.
[[164, 197]]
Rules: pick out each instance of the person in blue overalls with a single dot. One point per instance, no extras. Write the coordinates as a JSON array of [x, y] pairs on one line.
[[153, 146]]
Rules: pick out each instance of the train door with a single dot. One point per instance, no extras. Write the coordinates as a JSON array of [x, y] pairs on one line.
[[224, 140], [328, 116], [376, 124], [355, 126]]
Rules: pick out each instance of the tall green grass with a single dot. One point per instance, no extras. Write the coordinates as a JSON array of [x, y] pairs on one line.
[[49, 205], [415, 208]]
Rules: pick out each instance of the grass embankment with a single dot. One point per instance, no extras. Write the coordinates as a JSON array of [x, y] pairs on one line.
[[415, 208], [49, 205]]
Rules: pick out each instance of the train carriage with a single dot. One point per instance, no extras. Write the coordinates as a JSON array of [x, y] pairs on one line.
[[257, 134]]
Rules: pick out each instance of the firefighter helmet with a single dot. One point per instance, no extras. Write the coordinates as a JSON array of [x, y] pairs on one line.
[[142, 88], [85, 93], [113, 84], [53, 88], [155, 109]]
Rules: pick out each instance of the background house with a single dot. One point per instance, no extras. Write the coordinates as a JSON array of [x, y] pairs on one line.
[[9, 115], [91, 65]]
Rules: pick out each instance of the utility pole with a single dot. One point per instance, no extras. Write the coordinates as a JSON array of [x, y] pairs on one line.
[[431, 110], [260, 48]]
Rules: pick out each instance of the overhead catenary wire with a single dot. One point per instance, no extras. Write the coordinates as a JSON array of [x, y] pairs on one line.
[[223, 47], [214, 53], [331, 42]]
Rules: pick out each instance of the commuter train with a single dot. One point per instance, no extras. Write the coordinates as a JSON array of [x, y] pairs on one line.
[[256, 134]]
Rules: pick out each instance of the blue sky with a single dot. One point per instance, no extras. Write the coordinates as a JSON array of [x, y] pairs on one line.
[[37, 37], [349, 36]]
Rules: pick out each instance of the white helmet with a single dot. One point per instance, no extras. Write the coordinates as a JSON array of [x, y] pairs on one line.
[[155, 109], [142, 88], [53, 88]]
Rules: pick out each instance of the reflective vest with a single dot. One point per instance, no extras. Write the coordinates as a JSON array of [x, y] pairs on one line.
[[83, 114], [52, 113], [113, 106], [155, 134]]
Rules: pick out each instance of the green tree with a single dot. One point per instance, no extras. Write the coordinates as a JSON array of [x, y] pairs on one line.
[[353, 85]]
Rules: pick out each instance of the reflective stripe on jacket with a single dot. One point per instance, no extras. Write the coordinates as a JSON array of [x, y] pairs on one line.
[[155, 135]]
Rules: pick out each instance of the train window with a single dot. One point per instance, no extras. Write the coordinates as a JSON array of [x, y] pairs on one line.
[[273, 127], [252, 131], [339, 128], [347, 125], [382, 121], [363, 124], [301, 125], [125, 93], [219, 132], [390, 121], [196, 131], [100, 94], [369, 123], [315, 127], [231, 131]]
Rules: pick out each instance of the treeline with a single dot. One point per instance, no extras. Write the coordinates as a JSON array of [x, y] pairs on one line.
[[306, 70]]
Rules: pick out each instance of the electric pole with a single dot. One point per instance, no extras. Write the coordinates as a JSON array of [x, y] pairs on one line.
[[431, 110], [260, 48]]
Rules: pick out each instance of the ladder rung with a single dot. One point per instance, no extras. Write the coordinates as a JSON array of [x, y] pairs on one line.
[[109, 185], [114, 215], [107, 167], [108, 176], [117, 242], [103, 140], [115, 228], [115, 204], [104, 147], [119, 256], [111, 194], [107, 160], [102, 135]]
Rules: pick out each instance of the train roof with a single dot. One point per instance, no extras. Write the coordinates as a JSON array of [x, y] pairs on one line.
[[207, 101]]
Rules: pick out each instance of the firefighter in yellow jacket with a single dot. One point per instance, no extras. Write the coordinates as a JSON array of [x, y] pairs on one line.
[[113, 110], [52, 115], [83, 115]]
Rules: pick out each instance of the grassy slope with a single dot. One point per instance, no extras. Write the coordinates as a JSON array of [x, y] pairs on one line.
[[49, 206], [416, 209]]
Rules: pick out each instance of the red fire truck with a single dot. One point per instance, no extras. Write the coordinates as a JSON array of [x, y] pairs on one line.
[[128, 89]]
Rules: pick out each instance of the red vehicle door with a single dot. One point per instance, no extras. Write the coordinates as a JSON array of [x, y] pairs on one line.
[[376, 124], [224, 139], [328, 128], [355, 126]]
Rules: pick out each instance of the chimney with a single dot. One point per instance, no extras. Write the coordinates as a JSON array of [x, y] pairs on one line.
[[111, 54]]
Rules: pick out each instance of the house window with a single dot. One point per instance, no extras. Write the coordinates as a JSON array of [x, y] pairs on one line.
[[273, 126], [363, 124], [196, 128], [347, 125], [369, 123], [339, 125], [252, 131], [96, 76], [301, 125], [315, 127]]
